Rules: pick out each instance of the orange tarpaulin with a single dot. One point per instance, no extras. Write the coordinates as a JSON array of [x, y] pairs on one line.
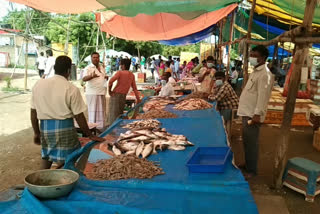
[[162, 26]]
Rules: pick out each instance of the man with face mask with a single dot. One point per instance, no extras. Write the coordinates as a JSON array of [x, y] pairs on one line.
[[225, 96], [207, 76], [55, 102], [253, 105]]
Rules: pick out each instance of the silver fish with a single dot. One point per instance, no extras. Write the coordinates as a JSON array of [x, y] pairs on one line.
[[140, 138], [130, 152], [129, 146], [184, 143], [147, 150], [116, 151], [139, 149], [176, 147]]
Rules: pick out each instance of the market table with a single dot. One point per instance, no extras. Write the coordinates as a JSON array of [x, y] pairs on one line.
[[176, 191]]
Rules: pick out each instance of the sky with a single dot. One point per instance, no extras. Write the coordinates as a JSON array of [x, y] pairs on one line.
[[5, 7]]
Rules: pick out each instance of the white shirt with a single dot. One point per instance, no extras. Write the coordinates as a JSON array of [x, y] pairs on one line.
[[49, 71], [176, 66], [256, 94], [42, 62], [235, 75], [56, 98], [95, 86], [172, 67]]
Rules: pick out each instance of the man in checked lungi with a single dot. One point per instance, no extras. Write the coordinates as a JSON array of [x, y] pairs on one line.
[[96, 78], [55, 102]]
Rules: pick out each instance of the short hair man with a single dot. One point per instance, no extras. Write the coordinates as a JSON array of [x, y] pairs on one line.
[[96, 77], [125, 79], [55, 102], [50, 62], [253, 105], [225, 96], [207, 76], [41, 64]]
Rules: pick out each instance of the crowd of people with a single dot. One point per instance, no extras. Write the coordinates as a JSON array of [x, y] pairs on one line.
[[56, 102]]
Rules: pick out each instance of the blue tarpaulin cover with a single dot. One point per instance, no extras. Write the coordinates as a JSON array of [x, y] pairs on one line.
[[176, 191]]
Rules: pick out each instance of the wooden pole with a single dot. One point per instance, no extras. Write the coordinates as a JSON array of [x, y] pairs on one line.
[[230, 40], [220, 48], [66, 44], [26, 51], [97, 42], [300, 57], [246, 46], [298, 40]]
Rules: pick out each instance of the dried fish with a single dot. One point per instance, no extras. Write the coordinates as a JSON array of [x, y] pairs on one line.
[[176, 147], [139, 149], [193, 104], [156, 113], [147, 150], [124, 167], [149, 123], [158, 103], [116, 151]]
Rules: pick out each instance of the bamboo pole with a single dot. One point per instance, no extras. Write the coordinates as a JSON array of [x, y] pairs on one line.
[[27, 18], [299, 40], [234, 41], [230, 40], [299, 60], [66, 44], [246, 46], [220, 47]]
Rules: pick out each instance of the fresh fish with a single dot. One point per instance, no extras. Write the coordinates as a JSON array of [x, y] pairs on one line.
[[161, 134], [184, 143], [147, 133], [130, 152], [116, 151], [176, 147], [129, 146], [147, 150], [154, 149], [140, 138], [139, 149]]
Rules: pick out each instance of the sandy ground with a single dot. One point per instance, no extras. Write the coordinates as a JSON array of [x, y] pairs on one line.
[[19, 156]]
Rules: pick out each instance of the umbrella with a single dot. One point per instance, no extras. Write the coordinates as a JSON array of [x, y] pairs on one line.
[[124, 54], [156, 56]]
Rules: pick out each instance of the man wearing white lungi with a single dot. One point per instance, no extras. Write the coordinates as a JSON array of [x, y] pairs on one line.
[[95, 75]]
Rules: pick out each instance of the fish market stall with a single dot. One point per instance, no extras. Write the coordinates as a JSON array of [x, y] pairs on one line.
[[168, 187]]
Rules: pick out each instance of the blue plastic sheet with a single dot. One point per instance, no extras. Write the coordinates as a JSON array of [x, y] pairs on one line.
[[190, 39], [177, 191]]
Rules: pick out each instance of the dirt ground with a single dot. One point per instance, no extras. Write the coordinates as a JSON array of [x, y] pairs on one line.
[[19, 156]]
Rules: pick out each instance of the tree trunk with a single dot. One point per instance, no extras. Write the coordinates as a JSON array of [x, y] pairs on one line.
[[301, 55]]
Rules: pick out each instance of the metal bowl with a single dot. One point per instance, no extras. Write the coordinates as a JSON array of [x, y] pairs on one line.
[[51, 183]]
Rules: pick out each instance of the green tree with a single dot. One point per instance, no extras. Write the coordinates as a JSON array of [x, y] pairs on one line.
[[176, 50]]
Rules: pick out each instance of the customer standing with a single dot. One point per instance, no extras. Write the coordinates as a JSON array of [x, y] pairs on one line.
[[41, 62], [55, 102], [49, 70], [253, 105], [95, 75], [125, 79]]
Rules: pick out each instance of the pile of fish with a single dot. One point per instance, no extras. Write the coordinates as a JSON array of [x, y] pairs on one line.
[[197, 94], [140, 124], [124, 167], [156, 113], [158, 103], [193, 104], [144, 142]]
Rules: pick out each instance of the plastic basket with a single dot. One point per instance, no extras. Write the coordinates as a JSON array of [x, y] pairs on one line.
[[208, 160]]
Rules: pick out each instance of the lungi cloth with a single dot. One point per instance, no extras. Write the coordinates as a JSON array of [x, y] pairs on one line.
[[97, 110], [58, 139], [116, 106]]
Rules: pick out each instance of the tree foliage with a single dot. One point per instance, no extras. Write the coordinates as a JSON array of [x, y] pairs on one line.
[[83, 32]]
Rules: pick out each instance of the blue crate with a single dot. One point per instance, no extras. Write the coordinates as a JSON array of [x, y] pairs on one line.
[[208, 159]]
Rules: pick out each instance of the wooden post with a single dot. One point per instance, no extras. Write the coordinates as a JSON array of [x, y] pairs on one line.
[[302, 51], [229, 45], [26, 51], [246, 46], [66, 44], [220, 42]]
